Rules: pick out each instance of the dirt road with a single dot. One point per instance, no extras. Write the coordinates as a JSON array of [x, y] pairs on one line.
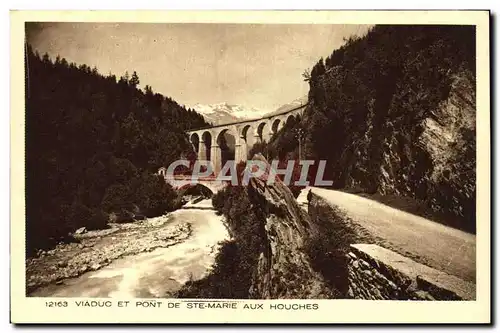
[[441, 247]]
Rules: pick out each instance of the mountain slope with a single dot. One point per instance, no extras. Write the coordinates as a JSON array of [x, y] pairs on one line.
[[393, 113], [92, 147], [290, 106]]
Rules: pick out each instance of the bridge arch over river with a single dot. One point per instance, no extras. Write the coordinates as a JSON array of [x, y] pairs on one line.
[[185, 181]]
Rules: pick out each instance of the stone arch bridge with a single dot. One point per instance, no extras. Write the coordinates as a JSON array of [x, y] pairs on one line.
[[207, 141], [184, 181]]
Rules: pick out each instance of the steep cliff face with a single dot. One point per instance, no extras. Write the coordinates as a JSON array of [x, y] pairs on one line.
[[431, 158], [394, 113], [267, 255], [449, 138], [283, 268]]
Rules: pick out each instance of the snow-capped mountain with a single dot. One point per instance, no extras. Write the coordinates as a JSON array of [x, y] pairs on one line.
[[223, 113]]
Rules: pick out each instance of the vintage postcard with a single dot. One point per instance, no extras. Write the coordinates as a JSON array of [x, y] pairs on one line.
[[250, 167]]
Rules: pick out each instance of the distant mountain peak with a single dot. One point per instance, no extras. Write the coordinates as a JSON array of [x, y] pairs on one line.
[[223, 113]]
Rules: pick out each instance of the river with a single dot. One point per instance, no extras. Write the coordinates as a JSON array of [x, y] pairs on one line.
[[158, 273]]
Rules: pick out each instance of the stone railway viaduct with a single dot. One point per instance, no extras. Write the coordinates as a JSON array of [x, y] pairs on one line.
[[207, 141]]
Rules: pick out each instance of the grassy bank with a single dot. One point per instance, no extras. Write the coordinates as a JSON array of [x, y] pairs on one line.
[[329, 243]]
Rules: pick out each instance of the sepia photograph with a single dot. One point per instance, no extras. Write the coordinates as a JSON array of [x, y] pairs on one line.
[[216, 163]]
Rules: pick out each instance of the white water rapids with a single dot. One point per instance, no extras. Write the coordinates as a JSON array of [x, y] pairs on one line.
[[158, 273]]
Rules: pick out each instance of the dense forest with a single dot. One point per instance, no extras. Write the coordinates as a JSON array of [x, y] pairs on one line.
[[393, 113], [93, 145]]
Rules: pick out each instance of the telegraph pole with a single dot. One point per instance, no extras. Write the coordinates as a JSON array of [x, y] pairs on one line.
[[299, 134]]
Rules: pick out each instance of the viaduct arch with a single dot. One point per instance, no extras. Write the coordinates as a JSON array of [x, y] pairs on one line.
[[207, 141]]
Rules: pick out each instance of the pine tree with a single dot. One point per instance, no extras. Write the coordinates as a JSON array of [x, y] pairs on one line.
[[134, 80]]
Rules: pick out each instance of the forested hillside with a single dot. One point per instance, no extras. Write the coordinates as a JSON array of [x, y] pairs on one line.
[[93, 143], [394, 112]]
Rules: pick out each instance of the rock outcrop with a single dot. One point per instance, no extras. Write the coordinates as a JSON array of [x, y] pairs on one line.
[[283, 269]]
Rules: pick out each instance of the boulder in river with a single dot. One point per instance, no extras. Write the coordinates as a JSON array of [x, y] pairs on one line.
[[95, 266], [139, 217], [81, 231]]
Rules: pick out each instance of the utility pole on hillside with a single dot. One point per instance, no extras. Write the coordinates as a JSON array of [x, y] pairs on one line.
[[299, 134]]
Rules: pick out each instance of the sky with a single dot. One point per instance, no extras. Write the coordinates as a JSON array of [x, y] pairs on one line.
[[254, 65]]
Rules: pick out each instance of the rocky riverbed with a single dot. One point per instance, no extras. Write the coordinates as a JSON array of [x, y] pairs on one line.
[[96, 249]]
